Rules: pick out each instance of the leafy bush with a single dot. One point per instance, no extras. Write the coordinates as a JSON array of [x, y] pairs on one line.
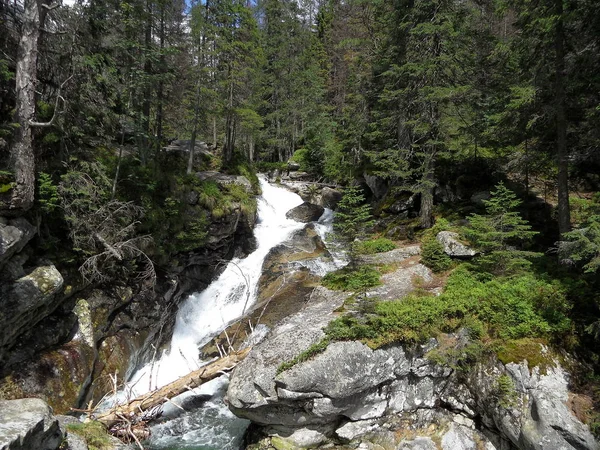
[[379, 245], [348, 279]]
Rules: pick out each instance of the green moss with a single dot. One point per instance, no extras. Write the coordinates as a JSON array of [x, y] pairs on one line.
[[6, 187], [534, 351], [94, 434], [307, 354]]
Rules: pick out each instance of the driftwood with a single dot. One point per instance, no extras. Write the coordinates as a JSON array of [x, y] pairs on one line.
[[154, 399]]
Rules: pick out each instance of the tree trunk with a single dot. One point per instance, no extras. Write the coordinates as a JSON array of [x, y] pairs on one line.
[[427, 187], [21, 153], [564, 214], [164, 394]]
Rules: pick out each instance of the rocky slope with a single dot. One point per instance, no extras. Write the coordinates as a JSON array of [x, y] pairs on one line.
[[63, 341], [396, 397]]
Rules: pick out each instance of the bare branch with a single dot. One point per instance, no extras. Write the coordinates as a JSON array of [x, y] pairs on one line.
[[56, 113]]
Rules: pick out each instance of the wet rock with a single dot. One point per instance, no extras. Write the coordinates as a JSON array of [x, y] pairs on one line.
[[297, 176], [252, 390], [14, 235], [330, 197], [452, 245], [285, 286], [28, 424], [305, 213]]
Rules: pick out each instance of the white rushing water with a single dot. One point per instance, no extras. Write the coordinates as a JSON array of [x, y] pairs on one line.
[[208, 424], [204, 315]]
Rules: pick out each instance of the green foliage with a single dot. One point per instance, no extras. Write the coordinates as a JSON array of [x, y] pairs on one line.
[[504, 309], [432, 251], [582, 245], [94, 433], [47, 197], [302, 157], [307, 354], [353, 216], [433, 255], [352, 279], [505, 392], [379, 245], [497, 232]]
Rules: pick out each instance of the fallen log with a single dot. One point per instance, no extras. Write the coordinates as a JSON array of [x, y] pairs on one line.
[[139, 405]]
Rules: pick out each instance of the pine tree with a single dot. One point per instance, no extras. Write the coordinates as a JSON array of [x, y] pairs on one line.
[[353, 216], [497, 233]]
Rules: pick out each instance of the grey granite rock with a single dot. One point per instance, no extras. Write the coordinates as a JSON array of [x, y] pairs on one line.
[[28, 424]]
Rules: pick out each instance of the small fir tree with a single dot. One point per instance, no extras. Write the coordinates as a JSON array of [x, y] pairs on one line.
[[498, 233], [353, 215]]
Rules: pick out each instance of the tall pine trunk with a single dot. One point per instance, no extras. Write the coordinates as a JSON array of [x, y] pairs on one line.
[[564, 214], [21, 153]]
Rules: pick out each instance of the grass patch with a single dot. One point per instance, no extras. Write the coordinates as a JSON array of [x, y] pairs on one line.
[[373, 246], [352, 279], [307, 354], [94, 434]]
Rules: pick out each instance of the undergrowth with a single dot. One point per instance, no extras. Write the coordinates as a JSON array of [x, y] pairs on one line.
[[516, 307], [373, 246], [352, 279]]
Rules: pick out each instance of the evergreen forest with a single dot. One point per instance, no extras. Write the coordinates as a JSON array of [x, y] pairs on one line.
[[484, 115]]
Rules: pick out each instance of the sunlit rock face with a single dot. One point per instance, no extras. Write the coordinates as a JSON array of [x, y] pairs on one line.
[[396, 397]]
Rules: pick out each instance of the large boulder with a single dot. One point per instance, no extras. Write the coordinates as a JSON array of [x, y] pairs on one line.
[[330, 197], [368, 398], [28, 424], [378, 186], [26, 302], [14, 235], [306, 212], [453, 247]]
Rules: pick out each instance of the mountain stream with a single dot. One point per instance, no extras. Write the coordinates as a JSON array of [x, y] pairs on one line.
[[207, 423]]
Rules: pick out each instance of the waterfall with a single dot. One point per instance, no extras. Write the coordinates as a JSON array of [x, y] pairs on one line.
[[201, 317]]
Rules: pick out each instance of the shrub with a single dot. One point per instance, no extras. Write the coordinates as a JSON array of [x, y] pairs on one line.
[[348, 279], [506, 309], [433, 255], [379, 245]]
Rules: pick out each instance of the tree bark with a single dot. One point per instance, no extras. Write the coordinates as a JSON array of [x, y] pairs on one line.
[[564, 213], [164, 394], [21, 153]]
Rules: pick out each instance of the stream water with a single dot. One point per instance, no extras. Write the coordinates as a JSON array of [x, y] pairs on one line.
[[207, 423]]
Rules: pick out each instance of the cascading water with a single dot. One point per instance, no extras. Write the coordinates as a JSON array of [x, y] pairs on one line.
[[207, 423]]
